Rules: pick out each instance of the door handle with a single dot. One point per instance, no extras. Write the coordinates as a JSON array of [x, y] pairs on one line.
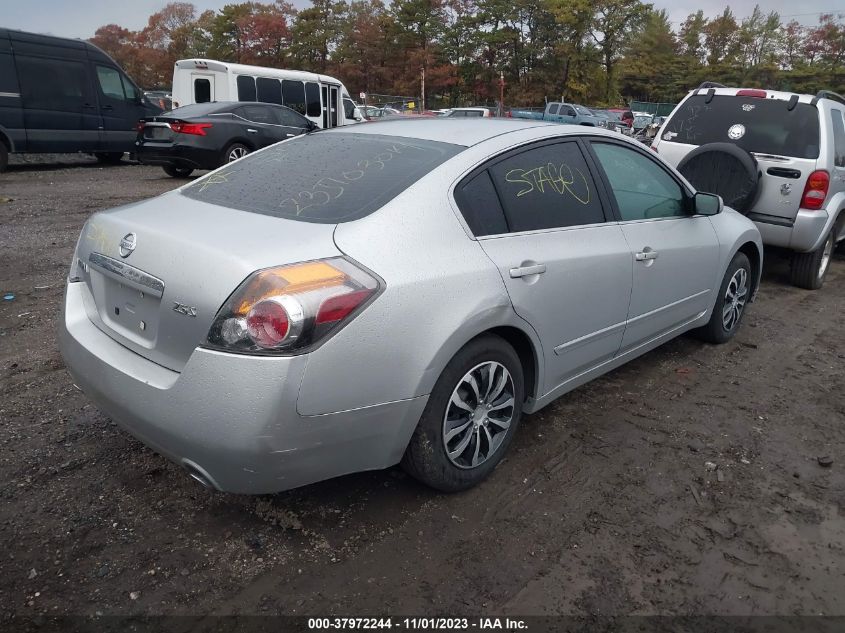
[[289, 135], [524, 271], [251, 131], [108, 107], [646, 254]]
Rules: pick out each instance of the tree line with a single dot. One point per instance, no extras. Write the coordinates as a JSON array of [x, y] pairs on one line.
[[456, 52]]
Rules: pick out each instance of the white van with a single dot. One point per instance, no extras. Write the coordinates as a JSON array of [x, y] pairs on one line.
[[320, 98]]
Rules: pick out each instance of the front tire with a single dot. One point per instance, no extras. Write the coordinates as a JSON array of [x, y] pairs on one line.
[[470, 419], [809, 269], [234, 152], [730, 302], [177, 172]]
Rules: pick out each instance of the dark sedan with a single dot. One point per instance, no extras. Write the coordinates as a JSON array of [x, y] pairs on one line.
[[208, 135]]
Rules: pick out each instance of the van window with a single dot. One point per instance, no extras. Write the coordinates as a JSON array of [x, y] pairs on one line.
[[202, 90], [128, 88], [246, 88], [269, 90], [349, 109], [52, 84], [294, 95], [312, 99], [110, 82], [758, 125]]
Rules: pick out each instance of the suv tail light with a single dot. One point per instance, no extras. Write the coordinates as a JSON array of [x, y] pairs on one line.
[[286, 309], [815, 191], [751, 93], [189, 128]]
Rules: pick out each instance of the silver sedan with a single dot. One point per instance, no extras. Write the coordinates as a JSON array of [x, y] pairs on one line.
[[396, 292]]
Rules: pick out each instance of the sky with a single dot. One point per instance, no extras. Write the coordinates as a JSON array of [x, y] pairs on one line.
[[80, 18]]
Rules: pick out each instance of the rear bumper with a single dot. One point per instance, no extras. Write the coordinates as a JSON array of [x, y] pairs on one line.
[[230, 419], [176, 155], [805, 234]]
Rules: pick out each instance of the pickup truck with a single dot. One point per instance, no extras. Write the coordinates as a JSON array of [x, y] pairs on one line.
[[560, 113]]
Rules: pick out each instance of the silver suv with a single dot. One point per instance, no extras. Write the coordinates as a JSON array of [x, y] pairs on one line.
[[777, 157]]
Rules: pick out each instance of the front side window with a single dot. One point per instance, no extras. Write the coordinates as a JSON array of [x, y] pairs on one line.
[[246, 88], [566, 110], [110, 83], [642, 188], [258, 114], [202, 90], [838, 138], [293, 93], [547, 187]]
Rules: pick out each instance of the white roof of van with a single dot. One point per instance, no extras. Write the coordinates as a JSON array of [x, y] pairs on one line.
[[245, 69]]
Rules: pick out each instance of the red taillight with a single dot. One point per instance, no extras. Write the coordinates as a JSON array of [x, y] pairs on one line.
[[268, 324], [140, 125], [815, 191], [337, 308], [190, 128], [760, 94]]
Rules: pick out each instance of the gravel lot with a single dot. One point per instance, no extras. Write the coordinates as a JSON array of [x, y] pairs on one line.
[[686, 482]]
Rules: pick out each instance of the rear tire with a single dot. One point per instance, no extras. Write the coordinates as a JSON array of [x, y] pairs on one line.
[[177, 172], [4, 157], [234, 152], [481, 436], [109, 158], [809, 269], [731, 302]]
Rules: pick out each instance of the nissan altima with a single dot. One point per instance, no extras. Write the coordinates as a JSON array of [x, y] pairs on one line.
[[401, 292]]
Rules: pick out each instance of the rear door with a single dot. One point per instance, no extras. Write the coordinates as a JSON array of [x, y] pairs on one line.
[[202, 87], [567, 270], [675, 255]]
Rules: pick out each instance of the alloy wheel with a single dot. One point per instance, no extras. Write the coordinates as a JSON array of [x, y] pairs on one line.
[[735, 297], [827, 253], [237, 152], [478, 415]]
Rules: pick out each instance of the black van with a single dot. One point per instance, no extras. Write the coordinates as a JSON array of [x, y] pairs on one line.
[[64, 95]]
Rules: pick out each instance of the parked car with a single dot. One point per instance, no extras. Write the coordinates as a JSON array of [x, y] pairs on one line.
[[777, 157], [208, 135], [63, 95], [470, 112], [609, 120], [641, 121], [162, 98], [557, 112], [386, 293], [626, 116]]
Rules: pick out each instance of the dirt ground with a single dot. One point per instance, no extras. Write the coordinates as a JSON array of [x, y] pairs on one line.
[[686, 482]]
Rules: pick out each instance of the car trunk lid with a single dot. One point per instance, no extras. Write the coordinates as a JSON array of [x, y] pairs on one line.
[[158, 271]]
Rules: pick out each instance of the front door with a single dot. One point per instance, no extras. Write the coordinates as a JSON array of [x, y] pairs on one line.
[[567, 270], [121, 107], [675, 255]]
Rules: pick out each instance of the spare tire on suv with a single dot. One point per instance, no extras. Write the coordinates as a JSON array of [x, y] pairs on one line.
[[726, 170]]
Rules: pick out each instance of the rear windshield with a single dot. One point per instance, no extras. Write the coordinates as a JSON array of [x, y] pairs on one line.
[[323, 177], [757, 125]]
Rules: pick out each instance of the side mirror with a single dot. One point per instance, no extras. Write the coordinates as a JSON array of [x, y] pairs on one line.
[[707, 204]]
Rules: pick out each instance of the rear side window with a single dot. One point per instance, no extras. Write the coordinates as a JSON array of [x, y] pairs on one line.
[[312, 99], [547, 187], [53, 84], [202, 90], [838, 138], [553, 108], [325, 178], [480, 206], [269, 90], [246, 88], [294, 95], [754, 124]]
